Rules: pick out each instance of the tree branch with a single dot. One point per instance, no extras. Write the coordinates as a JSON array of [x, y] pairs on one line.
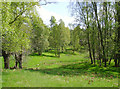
[[46, 2], [17, 17]]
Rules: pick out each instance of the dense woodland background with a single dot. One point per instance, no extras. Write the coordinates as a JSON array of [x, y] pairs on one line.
[[23, 31]]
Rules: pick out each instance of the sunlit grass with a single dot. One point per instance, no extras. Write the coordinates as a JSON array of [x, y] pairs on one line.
[[70, 70]]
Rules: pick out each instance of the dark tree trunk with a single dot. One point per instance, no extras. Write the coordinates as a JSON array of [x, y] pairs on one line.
[[62, 49], [89, 48], [16, 63], [20, 61], [6, 62], [16, 59], [115, 62], [94, 55], [100, 31], [105, 31], [117, 59], [89, 45], [93, 44], [99, 50], [118, 41], [6, 59], [106, 34]]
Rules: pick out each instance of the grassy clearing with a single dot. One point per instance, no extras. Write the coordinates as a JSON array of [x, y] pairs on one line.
[[70, 70]]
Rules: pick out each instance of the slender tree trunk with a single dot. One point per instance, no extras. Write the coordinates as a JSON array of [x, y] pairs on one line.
[[103, 28], [100, 31], [16, 63], [88, 37], [106, 31], [93, 42], [62, 49], [6, 59], [89, 48], [105, 43], [118, 41], [93, 55], [99, 49], [117, 60]]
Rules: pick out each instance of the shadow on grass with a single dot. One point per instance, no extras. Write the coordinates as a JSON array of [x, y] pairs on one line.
[[35, 54], [83, 68], [52, 52], [48, 55], [68, 53]]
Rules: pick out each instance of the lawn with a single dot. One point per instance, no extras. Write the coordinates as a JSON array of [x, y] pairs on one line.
[[70, 70]]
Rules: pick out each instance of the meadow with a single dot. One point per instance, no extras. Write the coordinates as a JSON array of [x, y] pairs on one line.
[[70, 70], [79, 49]]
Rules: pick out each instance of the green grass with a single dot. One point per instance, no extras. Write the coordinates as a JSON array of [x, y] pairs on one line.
[[70, 70]]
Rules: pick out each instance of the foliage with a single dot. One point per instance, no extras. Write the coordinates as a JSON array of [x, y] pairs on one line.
[[59, 35], [15, 25], [16, 28], [100, 24], [40, 35]]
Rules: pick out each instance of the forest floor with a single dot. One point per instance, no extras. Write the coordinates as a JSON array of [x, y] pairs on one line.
[[70, 70]]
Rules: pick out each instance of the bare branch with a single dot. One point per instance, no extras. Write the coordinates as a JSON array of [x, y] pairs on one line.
[[45, 2]]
